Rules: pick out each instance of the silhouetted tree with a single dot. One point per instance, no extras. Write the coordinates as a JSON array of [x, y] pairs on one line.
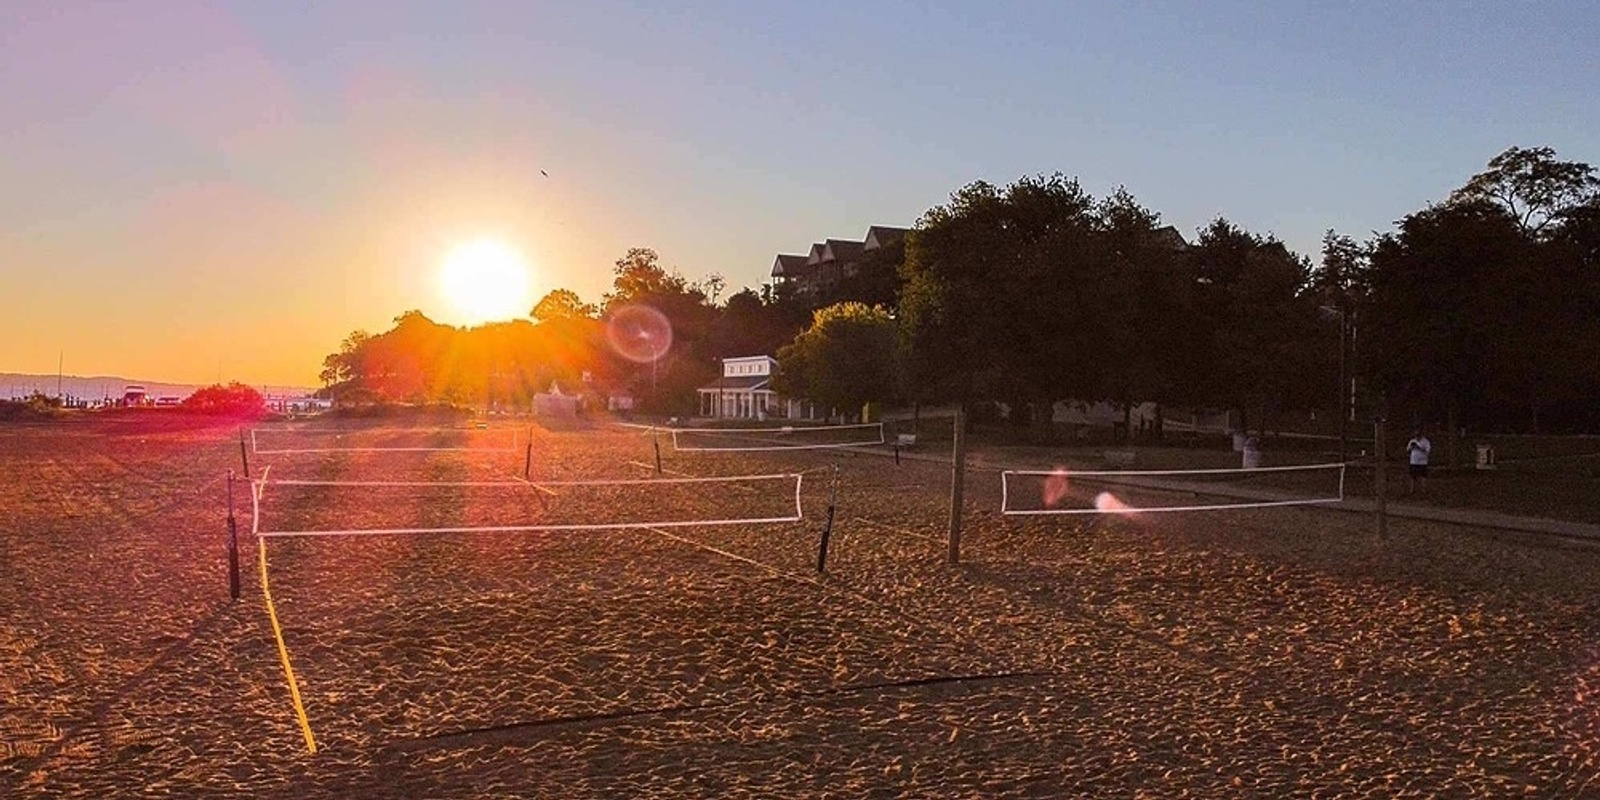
[[1531, 185]]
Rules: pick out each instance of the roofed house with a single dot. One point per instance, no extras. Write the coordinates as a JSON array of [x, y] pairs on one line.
[[832, 260], [1171, 237], [789, 267], [883, 236], [744, 391]]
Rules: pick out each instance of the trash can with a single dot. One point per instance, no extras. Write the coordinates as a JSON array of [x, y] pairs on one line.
[[1252, 453], [1485, 456]]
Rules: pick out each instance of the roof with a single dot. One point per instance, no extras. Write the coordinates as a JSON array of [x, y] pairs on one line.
[[1170, 236], [818, 253], [844, 249], [883, 236], [788, 265], [737, 382]]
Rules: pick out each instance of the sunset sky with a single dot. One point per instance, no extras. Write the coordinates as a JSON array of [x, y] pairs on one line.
[[190, 189]]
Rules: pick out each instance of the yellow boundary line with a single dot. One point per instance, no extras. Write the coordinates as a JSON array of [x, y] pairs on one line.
[[277, 630]]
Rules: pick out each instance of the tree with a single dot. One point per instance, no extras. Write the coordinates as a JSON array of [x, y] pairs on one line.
[[847, 358], [996, 287], [234, 399], [345, 365], [748, 326], [638, 277], [1531, 185], [1144, 317], [1448, 289], [1336, 279], [562, 304], [1260, 322]]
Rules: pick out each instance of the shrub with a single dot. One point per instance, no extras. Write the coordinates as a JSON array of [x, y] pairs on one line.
[[235, 399]]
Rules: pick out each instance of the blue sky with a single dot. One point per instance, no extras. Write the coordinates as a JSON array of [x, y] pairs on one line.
[[272, 175]]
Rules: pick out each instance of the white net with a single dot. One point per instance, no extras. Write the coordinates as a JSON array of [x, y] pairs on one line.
[[1064, 491], [298, 508], [303, 440], [776, 437]]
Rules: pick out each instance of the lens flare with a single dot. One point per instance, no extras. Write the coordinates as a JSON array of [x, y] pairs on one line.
[[639, 333], [1055, 487], [1108, 502]]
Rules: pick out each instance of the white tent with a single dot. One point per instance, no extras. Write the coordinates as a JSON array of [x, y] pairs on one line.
[[556, 404]]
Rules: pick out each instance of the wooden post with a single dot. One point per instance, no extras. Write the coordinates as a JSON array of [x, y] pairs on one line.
[[827, 527], [527, 462], [958, 480], [244, 455], [233, 544], [1379, 478]]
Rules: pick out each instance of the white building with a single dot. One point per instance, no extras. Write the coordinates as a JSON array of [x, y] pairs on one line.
[[744, 392]]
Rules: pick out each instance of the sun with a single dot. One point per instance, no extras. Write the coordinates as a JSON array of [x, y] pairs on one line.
[[486, 281]]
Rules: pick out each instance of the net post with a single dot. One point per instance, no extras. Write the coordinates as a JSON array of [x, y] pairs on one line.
[[527, 462], [958, 480], [244, 455], [233, 544], [1379, 479], [827, 527], [657, 438]]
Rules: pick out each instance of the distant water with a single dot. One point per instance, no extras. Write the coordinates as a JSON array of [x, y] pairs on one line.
[[96, 387]]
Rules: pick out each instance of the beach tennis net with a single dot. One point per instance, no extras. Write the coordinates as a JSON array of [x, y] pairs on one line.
[[1066, 491], [464, 438], [297, 508], [776, 437]]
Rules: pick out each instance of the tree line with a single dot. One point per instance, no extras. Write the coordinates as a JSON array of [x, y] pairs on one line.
[[1477, 310]]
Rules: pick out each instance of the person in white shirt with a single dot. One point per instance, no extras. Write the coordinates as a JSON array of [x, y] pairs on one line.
[[1417, 452]]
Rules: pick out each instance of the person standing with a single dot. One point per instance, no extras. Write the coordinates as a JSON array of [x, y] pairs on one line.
[[1417, 452]]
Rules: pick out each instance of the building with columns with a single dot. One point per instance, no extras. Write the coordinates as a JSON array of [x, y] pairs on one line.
[[744, 391]]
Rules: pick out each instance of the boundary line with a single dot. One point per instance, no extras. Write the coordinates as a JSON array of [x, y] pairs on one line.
[[272, 614]]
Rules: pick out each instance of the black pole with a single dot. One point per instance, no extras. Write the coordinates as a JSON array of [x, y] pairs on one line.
[[958, 481], [233, 545], [244, 455], [1380, 479], [827, 526], [658, 454], [527, 462], [1343, 410]]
